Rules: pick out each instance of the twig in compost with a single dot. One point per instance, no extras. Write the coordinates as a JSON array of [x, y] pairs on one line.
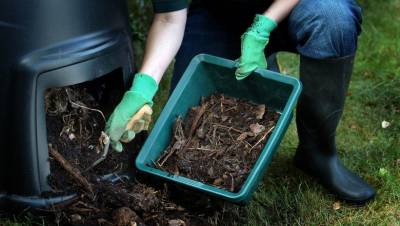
[[166, 158], [104, 138], [85, 207], [231, 108], [157, 164], [178, 145], [196, 120], [232, 183], [261, 139], [228, 127], [84, 107], [222, 104], [193, 127], [105, 141], [74, 172], [202, 149]]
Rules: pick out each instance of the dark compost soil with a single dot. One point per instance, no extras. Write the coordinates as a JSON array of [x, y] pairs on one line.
[[219, 141], [74, 126]]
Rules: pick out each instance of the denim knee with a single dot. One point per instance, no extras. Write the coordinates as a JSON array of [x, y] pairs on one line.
[[325, 28]]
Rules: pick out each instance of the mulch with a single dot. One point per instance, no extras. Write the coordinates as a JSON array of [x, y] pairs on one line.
[[217, 143]]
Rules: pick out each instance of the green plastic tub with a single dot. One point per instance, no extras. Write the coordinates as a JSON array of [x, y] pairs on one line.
[[204, 76]]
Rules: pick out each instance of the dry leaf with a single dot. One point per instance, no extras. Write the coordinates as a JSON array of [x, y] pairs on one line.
[[336, 205], [260, 111], [224, 118], [385, 124], [256, 128], [218, 181]]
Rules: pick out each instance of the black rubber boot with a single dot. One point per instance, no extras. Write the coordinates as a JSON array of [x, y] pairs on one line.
[[319, 109]]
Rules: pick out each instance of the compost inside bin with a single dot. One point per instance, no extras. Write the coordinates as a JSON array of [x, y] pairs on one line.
[[219, 141], [74, 118]]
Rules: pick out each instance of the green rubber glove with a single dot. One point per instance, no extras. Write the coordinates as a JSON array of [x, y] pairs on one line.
[[142, 92], [253, 43]]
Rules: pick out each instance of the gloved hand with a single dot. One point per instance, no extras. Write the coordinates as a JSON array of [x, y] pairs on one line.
[[253, 42], [140, 94]]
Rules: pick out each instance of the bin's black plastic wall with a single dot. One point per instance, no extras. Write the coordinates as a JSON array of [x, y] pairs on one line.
[[37, 37]]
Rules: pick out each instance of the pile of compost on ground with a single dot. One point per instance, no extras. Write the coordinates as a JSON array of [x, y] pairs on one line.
[[223, 136]]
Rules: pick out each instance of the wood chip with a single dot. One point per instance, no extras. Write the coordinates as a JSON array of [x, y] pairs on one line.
[[176, 222], [210, 171], [260, 111], [75, 218], [242, 136], [200, 132]]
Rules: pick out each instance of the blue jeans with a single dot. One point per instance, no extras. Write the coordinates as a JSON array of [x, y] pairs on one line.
[[317, 29]]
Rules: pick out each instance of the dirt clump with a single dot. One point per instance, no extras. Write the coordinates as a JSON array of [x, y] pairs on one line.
[[219, 141]]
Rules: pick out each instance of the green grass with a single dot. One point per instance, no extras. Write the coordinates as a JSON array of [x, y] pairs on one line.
[[23, 220], [287, 196]]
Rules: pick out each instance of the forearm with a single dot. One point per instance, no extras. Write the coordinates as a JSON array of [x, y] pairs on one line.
[[280, 9], [163, 42]]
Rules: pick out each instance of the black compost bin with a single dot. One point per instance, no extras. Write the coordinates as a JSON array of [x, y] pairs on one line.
[[44, 44]]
